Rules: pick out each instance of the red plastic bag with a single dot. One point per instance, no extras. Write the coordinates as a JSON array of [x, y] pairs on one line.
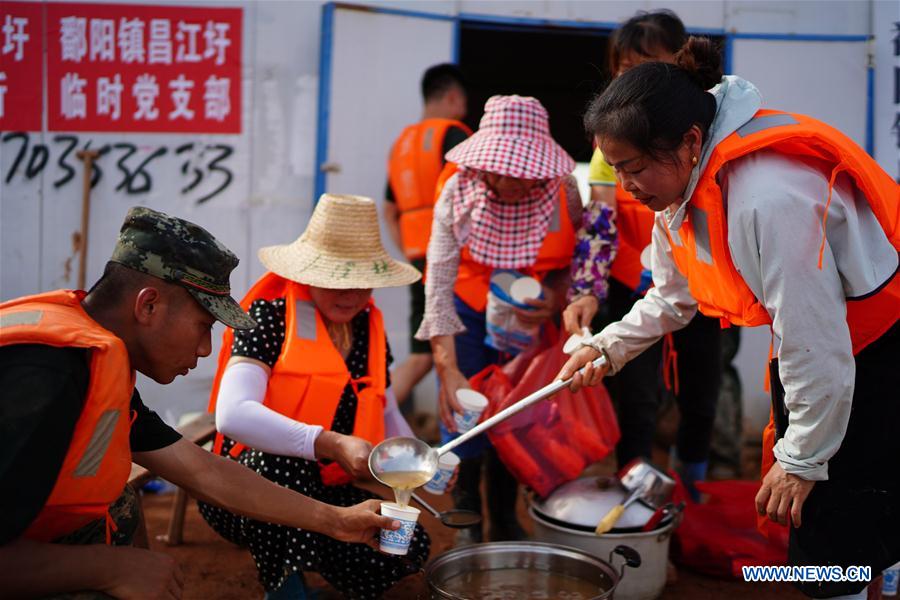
[[720, 536], [552, 441]]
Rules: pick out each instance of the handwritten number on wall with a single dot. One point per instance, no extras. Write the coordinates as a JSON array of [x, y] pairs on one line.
[[97, 172], [189, 164], [202, 163], [19, 156], [138, 181], [38, 160], [214, 165], [70, 141]]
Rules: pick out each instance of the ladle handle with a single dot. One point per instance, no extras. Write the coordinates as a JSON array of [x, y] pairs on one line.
[[541, 394], [427, 506], [610, 520]]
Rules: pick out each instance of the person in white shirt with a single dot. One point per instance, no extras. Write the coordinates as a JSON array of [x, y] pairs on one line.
[[768, 217]]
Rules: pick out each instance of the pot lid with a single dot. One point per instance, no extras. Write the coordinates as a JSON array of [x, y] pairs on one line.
[[584, 502]]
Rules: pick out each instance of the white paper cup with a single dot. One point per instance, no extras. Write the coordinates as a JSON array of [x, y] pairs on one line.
[[397, 542], [446, 466], [524, 288], [473, 404]]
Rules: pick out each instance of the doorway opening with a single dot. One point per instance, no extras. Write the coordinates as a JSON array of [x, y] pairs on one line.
[[562, 67]]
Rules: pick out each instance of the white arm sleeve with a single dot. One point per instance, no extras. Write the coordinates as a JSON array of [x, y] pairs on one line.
[[242, 416], [394, 422]]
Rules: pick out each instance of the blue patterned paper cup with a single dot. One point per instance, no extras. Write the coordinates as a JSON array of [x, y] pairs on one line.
[[446, 466], [891, 583], [397, 542]]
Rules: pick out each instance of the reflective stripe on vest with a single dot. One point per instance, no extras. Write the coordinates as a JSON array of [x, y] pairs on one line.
[[473, 278], [700, 247], [305, 313], [97, 447], [761, 123], [414, 165], [98, 460], [700, 221], [308, 380]]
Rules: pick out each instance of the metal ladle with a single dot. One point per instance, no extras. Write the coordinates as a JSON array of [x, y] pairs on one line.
[[411, 454], [457, 518]]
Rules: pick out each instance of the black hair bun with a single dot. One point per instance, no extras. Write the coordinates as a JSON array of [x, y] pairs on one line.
[[701, 59]]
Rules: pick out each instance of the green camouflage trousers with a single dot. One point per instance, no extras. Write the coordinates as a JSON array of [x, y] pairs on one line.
[[125, 513]]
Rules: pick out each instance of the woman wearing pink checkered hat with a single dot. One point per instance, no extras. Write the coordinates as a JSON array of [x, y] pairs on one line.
[[511, 204]]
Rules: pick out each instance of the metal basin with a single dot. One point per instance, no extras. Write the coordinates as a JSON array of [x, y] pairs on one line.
[[524, 570]]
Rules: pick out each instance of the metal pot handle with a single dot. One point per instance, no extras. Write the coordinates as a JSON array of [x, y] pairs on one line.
[[676, 521], [631, 556]]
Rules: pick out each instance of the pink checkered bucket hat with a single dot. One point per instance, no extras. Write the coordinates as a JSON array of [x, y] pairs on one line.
[[513, 139]]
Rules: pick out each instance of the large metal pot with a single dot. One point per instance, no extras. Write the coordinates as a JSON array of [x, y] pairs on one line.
[[521, 570]]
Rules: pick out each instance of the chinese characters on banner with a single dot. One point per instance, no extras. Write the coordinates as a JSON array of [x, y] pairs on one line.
[[21, 98], [113, 67], [124, 68]]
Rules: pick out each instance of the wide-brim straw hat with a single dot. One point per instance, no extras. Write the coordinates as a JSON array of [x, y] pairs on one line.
[[340, 249], [513, 139]]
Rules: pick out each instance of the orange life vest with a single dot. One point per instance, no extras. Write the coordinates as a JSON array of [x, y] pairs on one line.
[[309, 378], [634, 222], [450, 169], [98, 462], [700, 247], [473, 279], [416, 160]]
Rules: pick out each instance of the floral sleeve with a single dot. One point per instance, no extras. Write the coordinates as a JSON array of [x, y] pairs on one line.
[[595, 248]]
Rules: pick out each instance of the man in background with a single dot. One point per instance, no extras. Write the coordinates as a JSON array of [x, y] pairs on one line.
[[416, 161]]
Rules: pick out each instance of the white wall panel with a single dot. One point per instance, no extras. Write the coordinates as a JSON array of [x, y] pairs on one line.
[[825, 80], [832, 17]]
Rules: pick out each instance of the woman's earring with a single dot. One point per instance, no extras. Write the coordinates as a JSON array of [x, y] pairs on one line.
[[694, 160]]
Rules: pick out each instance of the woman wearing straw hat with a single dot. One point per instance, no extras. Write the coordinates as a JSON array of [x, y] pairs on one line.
[[301, 398], [513, 204]]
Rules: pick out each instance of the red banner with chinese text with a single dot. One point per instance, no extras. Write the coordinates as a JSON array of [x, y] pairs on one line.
[[21, 66], [135, 68]]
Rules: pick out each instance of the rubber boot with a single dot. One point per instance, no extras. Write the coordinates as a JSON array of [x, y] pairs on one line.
[[690, 473], [467, 496], [502, 494]]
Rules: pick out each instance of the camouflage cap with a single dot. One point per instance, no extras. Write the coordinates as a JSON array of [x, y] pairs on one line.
[[179, 251]]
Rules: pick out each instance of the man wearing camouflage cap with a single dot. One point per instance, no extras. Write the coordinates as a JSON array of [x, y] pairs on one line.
[[72, 421]]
